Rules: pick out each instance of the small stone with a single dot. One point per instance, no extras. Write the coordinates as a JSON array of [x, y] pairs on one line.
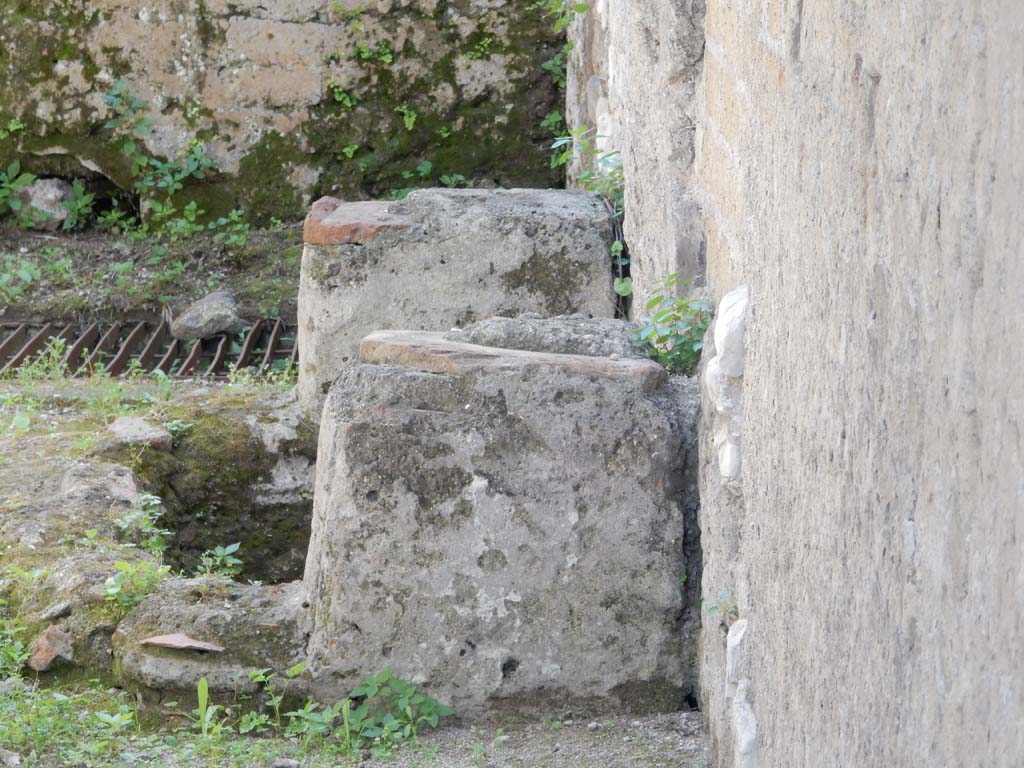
[[730, 329], [56, 611], [133, 430], [9, 759], [285, 762], [53, 645], [594, 727], [213, 314], [180, 642], [47, 196], [567, 723], [502, 740]]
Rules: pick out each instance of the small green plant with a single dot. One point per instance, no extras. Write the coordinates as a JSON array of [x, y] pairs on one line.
[[382, 53], [79, 207], [220, 561], [12, 127], [723, 605], [557, 64], [130, 584], [17, 276], [600, 172], [275, 696], [12, 180], [117, 722], [47, 364], [344, 97], [205, 716], [674, 334], [232, 231], [480, 50], [139, 525], [408, 116], [178, 429], [14, 652], [349, 150], [165, 389], [423, 171], [563, 11], [455, 180], [553, 122]]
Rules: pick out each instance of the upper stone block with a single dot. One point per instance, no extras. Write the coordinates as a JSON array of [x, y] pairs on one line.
[[441, 259]]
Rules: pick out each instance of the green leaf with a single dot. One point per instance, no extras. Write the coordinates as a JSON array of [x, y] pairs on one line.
[[623, 286]]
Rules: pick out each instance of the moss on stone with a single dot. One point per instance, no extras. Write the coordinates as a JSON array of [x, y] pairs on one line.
[[555, 277]]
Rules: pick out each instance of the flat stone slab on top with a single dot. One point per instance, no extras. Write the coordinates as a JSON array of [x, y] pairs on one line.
[[433, 353]]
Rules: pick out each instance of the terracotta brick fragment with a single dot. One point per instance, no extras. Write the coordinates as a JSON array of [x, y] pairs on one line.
[[333, 222]]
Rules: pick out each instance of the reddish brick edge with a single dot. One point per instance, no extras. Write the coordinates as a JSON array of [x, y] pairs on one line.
[[354, 223]]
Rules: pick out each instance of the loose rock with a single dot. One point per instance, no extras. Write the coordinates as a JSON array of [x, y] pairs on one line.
[[213, 314], [47, 196], [53, 645]]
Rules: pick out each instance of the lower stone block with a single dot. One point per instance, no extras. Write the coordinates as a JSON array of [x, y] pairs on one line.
[[503, 529]]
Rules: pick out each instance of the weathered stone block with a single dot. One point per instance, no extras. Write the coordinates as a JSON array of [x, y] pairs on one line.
[[502, 527], [253, 626], [444, 258]]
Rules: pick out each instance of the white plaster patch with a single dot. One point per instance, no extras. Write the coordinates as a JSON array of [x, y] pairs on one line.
[[730, 329]]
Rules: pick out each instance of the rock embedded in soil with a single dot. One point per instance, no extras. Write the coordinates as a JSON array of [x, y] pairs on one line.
[[257, 627], [48, 197], [215, 313], [52, 646], [134, 430]]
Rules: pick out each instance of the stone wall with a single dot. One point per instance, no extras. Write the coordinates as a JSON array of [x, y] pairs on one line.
[[290, 98], [632, 79], [861, 173]]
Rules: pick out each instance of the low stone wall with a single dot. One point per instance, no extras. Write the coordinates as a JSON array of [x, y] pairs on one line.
[[288, 97], [441, 259]]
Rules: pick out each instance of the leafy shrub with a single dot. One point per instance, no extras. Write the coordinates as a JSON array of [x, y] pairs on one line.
[[131, 583], [674, 334]]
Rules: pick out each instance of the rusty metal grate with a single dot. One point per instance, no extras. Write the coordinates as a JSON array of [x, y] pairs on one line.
[[264, 345]]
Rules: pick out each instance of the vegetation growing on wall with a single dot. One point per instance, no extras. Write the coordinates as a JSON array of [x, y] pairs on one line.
[[466, 93]]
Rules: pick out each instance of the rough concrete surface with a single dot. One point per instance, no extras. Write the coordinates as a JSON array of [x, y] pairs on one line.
[[632, 79], [567, 335], [256, 627], [457, 256], [510, 536], [862, 174]]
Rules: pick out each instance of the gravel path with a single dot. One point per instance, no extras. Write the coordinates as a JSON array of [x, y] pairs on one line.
[[660, 741]]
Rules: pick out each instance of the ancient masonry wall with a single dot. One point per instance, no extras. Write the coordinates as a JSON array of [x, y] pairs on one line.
[[291, 99], [632, 80], [859, 166]]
